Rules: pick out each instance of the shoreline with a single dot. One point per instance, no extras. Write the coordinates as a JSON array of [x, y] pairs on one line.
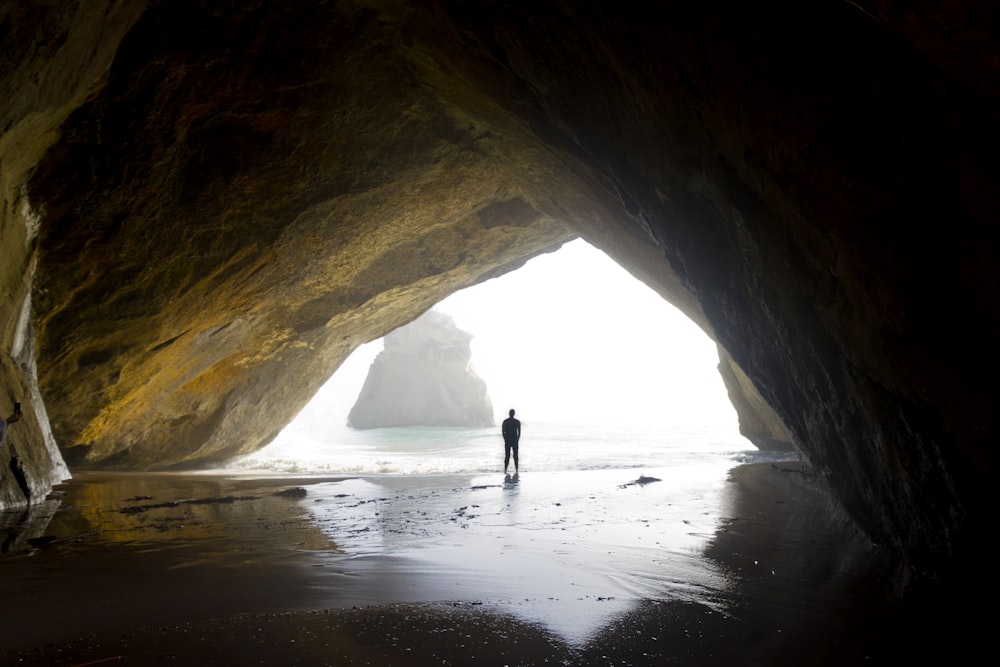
[[152, 568]]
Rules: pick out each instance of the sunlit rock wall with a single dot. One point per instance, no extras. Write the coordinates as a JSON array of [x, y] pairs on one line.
[[246, 200]]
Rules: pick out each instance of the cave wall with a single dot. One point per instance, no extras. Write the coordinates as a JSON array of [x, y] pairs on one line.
[[829, 207], [208, 233], [207, 206], [54, 56]]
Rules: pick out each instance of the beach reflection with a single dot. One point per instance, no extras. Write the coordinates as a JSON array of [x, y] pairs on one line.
[[174, 509], [569, 551], [25, 527], [752, 566], [798, 573], [783, 531]]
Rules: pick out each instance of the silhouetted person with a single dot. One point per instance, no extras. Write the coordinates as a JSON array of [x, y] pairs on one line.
[[511, 430], [10, 420]]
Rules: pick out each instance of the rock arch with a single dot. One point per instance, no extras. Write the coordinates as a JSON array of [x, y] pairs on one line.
[[208, 206]]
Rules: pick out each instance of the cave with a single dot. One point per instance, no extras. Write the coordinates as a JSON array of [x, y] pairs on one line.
[[207, 206]]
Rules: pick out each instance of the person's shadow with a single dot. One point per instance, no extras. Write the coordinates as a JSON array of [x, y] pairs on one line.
[[22, 479]]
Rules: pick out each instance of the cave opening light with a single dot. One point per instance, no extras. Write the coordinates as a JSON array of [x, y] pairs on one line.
[[587, 355]]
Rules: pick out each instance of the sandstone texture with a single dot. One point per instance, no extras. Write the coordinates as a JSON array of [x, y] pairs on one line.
[[423, 377], [207, 205]]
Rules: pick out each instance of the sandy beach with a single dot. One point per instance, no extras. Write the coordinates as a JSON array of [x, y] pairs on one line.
[[583, 567]]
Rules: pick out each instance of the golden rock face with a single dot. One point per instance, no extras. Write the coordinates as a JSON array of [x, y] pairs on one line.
[[236, 230], [208, 206]]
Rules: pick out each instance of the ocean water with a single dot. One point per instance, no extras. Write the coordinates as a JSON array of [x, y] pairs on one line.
[[310, 448]]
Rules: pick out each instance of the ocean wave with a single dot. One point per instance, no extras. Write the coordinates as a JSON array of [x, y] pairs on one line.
[[547, 448]]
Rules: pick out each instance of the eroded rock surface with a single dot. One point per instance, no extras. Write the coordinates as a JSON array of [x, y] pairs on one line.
[[208, 205], [423, 377], [758, 422]]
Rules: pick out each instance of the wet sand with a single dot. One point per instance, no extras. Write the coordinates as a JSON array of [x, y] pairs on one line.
[[575, 568]]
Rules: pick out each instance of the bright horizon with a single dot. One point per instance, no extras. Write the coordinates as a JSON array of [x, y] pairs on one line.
[[570, 337]]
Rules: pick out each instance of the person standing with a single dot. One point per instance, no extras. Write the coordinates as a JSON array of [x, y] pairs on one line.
[[10, 420], [511, 430]]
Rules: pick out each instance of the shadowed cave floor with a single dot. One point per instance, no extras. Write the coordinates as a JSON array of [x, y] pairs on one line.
[[187, 569]]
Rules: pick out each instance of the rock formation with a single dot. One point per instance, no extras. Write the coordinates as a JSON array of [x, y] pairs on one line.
[[423, 378], [207, 205], [758, 422]]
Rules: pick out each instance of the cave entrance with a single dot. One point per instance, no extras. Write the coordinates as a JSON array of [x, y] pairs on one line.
[[597, 365]]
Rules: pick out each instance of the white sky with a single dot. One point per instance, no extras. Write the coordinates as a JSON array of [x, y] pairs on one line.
[[572, 336]]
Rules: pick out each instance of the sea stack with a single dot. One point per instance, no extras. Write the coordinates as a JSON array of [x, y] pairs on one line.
[[423, 377]]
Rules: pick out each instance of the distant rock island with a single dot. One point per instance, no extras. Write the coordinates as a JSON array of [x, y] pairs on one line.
[[423, 378]]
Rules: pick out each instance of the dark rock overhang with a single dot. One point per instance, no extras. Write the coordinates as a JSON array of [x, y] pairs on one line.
[[208, 206]]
